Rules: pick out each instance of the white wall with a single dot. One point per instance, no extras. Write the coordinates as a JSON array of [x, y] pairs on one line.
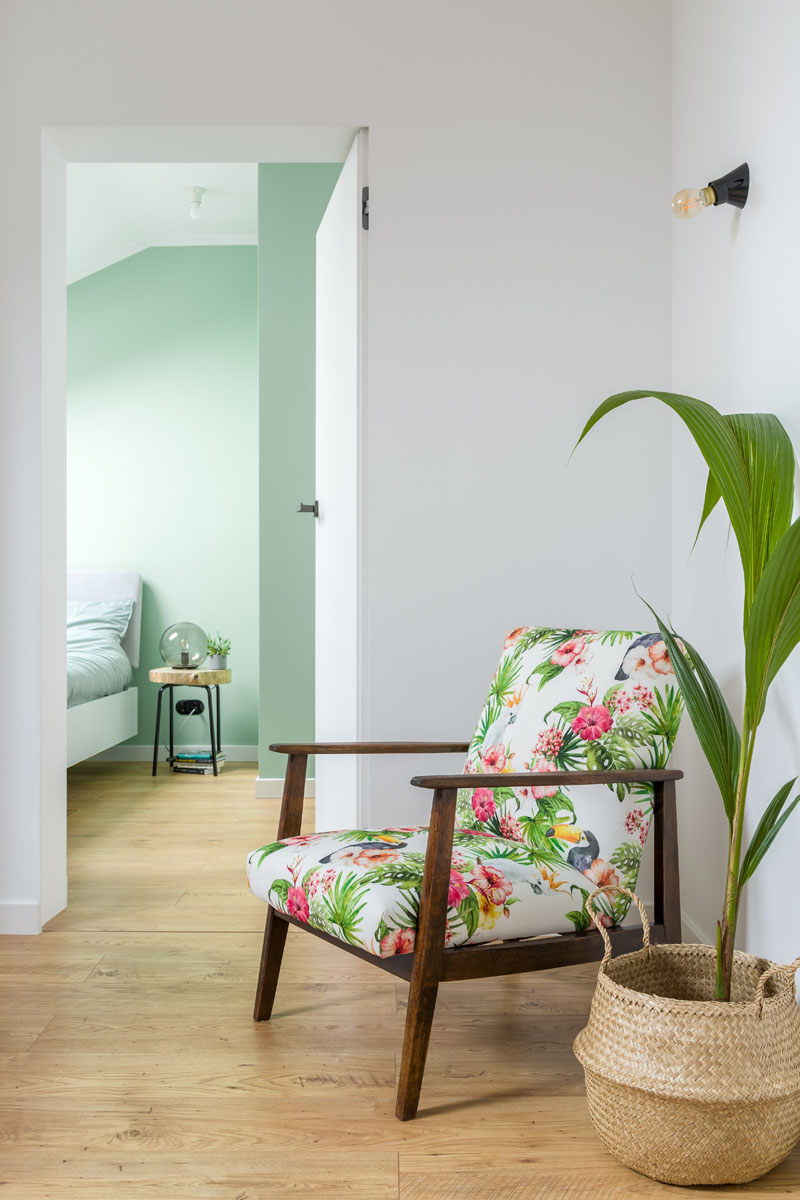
[[519, 272], [736, 316]]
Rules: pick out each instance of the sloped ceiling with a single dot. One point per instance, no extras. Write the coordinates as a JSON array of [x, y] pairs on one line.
[[117, 209]]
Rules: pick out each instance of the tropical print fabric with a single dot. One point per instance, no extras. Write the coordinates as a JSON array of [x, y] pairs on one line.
[[524, 860], [575, 700], [363, 886]]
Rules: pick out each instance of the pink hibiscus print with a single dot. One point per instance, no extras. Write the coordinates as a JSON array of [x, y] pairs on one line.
[[592, 722], [491, 883], [541, 764], [510, 828], [494, 758], [569, 652], [458, 889], [399, 941], [483, 804], [297, 904]]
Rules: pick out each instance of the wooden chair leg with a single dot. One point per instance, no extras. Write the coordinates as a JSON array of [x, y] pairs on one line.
[[271, 955], [419, 1019], [667, 876], [429, 953], [276, 928]]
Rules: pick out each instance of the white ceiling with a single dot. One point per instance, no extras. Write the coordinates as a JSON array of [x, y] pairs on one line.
[[117, 209]]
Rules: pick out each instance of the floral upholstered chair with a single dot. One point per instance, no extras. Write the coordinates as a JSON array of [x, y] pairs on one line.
[[565, 773]]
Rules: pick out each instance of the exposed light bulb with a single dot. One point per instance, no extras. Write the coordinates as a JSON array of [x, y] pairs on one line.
[[195, 198], [688, 202]]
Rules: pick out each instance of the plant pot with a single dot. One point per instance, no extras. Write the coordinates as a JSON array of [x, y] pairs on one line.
[[681, 1087], [218, 662]]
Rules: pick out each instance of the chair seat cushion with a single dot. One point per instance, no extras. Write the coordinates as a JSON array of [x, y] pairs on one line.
[[362, 886]]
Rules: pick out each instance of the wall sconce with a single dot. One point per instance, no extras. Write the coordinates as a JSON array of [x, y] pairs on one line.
[[730, 189], [195, 199]]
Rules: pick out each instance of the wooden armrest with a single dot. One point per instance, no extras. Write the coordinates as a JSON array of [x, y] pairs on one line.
[[370, 747], [543, 778]]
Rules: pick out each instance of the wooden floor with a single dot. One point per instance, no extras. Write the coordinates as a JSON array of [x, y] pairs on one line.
[[131, 1066]]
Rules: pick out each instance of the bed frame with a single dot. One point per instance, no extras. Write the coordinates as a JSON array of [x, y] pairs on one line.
[[100, 724]]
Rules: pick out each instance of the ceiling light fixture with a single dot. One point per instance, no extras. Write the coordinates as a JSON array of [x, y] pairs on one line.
[[730, 189], [195, 200]]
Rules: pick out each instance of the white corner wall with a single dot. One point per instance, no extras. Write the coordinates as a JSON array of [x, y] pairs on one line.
[[519, 272], [736, 316]]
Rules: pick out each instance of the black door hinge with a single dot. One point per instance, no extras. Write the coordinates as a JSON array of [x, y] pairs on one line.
[[365, 208]]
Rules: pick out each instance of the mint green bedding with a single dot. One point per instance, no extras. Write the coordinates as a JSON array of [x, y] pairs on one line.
[[96, 663]]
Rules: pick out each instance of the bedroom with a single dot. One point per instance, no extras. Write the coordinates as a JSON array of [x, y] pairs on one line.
[[165, 503]]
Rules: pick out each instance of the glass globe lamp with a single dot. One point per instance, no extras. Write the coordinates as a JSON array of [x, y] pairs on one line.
[[183, 645]]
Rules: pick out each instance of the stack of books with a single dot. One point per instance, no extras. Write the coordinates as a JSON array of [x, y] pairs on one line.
[[196, 763]]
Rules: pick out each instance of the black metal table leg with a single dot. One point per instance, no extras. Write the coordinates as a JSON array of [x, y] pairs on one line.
[[211, 728], [219, 721], [158, 726], [171, 725]]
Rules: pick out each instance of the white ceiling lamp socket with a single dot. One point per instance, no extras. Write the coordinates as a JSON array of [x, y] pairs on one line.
[[195, 200]]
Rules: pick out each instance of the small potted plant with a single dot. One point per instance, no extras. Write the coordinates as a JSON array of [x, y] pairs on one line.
[[218, 650]]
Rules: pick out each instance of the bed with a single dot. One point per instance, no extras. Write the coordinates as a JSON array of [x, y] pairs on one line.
[[102, 706]]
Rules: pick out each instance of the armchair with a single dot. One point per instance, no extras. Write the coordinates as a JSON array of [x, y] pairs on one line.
[[483, 889]]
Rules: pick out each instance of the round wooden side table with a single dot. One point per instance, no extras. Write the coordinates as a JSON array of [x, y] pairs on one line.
[[172, 677]]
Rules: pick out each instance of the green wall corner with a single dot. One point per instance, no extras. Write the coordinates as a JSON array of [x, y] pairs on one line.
[[162, 454]]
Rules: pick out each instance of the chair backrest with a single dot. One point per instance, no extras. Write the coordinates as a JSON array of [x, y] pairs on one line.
[[575, 699]]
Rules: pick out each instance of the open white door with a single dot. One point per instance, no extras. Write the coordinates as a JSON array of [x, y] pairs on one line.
[[341, 282]]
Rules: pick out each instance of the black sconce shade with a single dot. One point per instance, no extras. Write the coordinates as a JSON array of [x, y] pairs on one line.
[[733, 187]]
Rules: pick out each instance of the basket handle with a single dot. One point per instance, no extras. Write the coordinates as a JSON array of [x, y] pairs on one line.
[[601, 929], [788, 969]]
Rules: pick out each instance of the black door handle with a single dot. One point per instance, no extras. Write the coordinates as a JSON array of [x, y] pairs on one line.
[[309, 508]]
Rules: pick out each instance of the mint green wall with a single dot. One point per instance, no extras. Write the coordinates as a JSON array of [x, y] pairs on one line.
[[292, 199], [162, 459]]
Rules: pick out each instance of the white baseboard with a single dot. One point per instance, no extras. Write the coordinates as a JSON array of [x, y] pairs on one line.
[[272, 789], [145, 753], [693, 933], [20, 919]]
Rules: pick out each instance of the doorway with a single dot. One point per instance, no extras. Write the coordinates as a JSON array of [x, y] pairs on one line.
[[268, 146]]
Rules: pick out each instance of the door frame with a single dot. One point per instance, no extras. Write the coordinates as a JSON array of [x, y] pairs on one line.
[[60, 146]]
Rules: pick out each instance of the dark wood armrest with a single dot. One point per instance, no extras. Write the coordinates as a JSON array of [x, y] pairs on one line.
[[370, 747], [543, 779]]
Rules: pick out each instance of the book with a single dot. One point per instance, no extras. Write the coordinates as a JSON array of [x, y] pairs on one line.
[[196, 769], [199, 758]]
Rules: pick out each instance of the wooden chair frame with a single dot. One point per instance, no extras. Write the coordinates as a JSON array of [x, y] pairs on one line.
[[431, 963]]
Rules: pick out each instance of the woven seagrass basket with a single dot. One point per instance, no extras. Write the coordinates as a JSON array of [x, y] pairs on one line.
[[683, 1088]]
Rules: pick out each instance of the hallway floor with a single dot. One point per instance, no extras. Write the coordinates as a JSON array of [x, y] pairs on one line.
[[131, 1067]]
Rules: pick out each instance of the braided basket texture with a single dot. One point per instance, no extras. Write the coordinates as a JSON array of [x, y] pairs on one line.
[[683, 1088]]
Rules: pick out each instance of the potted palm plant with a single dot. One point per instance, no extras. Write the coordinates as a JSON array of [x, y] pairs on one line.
[[712, 1060]]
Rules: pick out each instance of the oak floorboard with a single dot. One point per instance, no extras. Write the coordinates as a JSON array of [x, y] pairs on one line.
[[130, 1066]]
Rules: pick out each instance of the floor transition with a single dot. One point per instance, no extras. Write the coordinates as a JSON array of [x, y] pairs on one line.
[[131, 1068]]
